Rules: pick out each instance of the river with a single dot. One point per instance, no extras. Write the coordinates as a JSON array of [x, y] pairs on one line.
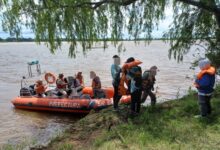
[[21, 127]]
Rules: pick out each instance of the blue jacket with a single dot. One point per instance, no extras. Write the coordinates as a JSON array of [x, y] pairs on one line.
[[206, 84]]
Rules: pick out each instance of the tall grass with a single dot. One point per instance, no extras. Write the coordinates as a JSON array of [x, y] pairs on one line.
[[170, 125]]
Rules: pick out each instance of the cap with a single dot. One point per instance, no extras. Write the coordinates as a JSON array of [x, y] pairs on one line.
[[153, 68], [204, 63]]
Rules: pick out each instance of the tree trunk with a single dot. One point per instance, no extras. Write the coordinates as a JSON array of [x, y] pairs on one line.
[[217, 16]]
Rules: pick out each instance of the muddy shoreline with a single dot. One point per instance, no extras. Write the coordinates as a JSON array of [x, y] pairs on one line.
[[82, 133]]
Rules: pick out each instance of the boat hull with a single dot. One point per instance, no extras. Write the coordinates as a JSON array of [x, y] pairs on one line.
[[64, 105]]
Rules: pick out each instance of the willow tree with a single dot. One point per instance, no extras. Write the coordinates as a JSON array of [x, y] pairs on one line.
[[86, 21]]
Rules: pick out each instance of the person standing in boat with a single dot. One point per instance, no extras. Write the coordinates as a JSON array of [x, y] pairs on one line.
[[96, 86], [40, 88], [61, 85], [205, 82], [115, 72], [79, 76], [148, 81]]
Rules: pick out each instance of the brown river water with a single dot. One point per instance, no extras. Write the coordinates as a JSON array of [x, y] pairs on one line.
[[20, 126]]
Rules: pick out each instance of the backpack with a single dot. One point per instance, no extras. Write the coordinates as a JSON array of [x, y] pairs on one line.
[[146, 83]]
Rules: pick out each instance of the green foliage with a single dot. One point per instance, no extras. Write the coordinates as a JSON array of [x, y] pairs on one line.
[[82, 20], [217, 90], [15, 147], [194, 26], [87, 21], [215, 57], [66, 146], [170, 125]]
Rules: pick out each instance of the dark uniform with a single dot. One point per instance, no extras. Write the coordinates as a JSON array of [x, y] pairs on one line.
[[147, 87], [135, 88]]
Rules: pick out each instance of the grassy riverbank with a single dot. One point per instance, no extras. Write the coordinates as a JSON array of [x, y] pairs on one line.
[[170, 125]]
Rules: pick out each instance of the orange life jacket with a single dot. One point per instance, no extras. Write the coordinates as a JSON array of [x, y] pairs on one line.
[[211, 70], [132, 64], [121, 89], [40, 89]]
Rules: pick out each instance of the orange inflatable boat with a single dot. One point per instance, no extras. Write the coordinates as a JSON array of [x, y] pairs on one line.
[[66, 104]]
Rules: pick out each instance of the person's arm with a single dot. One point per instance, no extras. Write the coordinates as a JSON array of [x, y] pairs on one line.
[[64, 83], [93, 84], [113, 71]]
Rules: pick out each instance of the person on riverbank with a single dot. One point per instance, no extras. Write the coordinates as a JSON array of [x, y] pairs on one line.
[[40, 88], [96, 85], [61, 85], [125, 79], [148, 81], [134, 74], [204, 82], [115, 72]]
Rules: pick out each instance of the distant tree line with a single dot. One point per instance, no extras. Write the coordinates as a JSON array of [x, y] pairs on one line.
[[13, 39]]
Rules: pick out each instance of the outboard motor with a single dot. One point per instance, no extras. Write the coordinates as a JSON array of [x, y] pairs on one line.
[[31, 89], [25, 92]]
